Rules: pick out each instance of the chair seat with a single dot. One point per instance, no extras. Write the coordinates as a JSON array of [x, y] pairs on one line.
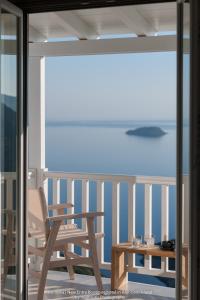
[[66, 235]]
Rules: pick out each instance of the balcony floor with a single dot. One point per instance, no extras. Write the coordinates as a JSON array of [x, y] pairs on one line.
[[84, 287], [59, 285]]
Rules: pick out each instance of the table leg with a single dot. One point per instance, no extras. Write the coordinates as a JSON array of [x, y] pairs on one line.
[[119, 273]]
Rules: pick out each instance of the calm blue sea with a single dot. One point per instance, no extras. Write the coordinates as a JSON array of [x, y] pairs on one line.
[[103, 147]]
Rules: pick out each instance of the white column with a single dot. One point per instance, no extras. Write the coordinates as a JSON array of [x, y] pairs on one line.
[[36, 130], [37, 115]]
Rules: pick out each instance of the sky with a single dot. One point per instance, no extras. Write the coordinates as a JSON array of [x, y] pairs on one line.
[[111, 87], [8, 75]]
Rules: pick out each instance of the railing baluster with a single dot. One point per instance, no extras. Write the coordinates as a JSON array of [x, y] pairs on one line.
[[56, 200], [100, 220], [115, 212], [70, 199], [148, 210], [85, 208], [164, 221], [165, 212], [56, 191], [147, 218], [9, 193], [131, 219]]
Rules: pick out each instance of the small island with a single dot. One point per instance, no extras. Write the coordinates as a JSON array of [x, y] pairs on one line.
[[152, 131]]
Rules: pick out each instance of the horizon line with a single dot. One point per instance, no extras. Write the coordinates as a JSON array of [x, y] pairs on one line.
[[113, 120]]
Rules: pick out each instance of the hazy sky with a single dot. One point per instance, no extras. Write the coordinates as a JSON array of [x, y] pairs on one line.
[[8, 75], [111, 87]]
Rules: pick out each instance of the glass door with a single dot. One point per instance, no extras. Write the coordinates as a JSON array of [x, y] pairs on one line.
[[183, 151], [11, 153]]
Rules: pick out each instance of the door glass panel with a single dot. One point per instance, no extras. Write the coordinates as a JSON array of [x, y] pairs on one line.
[[185, 146], [9, 141]]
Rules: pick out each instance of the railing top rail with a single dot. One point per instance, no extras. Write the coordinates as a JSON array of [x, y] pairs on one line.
[[90, 176], [108, 177], [156, 180]]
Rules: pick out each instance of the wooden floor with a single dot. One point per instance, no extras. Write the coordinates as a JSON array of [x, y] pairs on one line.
[[59, 287]]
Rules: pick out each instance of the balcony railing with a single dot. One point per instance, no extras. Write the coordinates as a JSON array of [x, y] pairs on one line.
[[116, 180], [44, 177]]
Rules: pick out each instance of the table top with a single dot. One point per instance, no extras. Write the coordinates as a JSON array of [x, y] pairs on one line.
[[154, 251]]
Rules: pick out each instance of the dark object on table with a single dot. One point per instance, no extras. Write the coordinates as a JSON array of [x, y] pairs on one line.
[[168, 245]]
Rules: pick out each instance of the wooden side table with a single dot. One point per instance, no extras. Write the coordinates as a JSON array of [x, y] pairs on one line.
[[119, 272]]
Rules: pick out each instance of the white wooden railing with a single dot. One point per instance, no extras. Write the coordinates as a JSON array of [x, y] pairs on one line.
[[116, 180], [42, 177]]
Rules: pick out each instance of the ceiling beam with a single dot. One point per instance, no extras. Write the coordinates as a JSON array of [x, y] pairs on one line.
[[35, 35], [72, 23], [112, 46], [132, 18]]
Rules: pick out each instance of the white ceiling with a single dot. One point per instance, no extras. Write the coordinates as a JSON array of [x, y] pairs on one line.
[[148, 19]]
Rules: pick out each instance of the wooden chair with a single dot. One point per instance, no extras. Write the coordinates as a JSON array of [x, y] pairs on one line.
[[54, 235]]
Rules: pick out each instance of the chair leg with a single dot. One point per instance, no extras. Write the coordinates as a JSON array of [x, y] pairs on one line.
[[47, 257], [97, 273], [43, 277], [69, 267], [95, 263]]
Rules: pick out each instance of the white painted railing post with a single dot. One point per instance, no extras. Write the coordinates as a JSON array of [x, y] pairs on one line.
[[115, 211], [42, 181], [70, 199], [131, 218], [56, 192], [100, 220], [164, 221], [32, 179], [165, 212], [85, 208], [148, 210], [56, 200], [147, 218]]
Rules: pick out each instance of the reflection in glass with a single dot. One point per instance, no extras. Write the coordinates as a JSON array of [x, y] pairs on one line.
[[8, 150], [185, 145]]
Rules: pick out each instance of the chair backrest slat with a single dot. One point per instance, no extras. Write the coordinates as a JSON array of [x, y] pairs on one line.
[[37, 213]]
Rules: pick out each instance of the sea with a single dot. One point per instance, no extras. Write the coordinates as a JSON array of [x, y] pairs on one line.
[[104, 147]]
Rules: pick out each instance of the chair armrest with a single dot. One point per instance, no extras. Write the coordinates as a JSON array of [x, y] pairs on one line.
[[86, 215], [60, 206]]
